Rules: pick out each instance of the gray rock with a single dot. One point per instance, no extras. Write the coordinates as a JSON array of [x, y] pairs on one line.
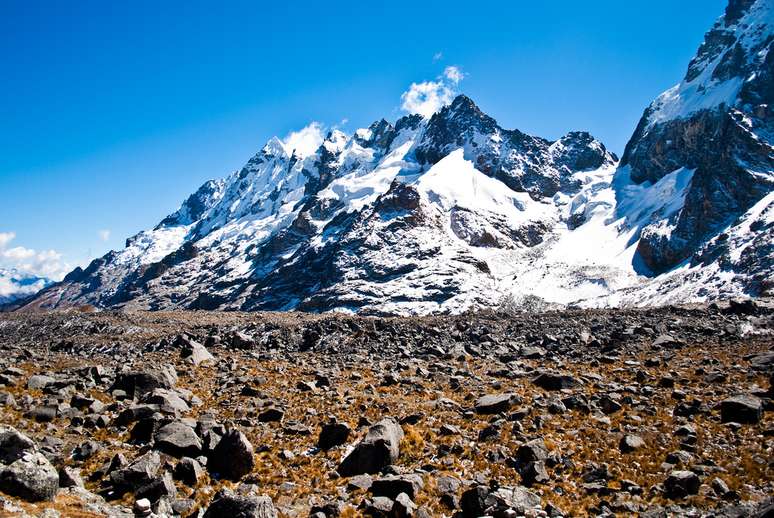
[[39, 381], [403, 507], [139, 383], [31, 477], [379, 448], [139, 473], [680, 484], [232, 458], [196, 354], [7, 399], [533, 450], [630, 443], [494, 403], [229, 505], [481, 501], [13, 444], [158, 488], [271, 415], [393, 485], [189, 471], [379, 507], [555, 381], [70, 477], [168, 401], [534, 472], [332, 435], [178, 439], [142, 507], [743, 409], [86, 450]]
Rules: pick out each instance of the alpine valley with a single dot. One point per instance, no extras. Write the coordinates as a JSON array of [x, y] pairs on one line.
[[453, 212]]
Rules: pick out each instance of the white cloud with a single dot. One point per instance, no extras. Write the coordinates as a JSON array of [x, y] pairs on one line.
[[428, 97], [306, 140], [5, 238], [104, 234], [10, 288], [454, 74], [44, 263], [438, 56]]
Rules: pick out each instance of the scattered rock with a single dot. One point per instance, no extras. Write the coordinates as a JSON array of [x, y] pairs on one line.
[[379, 448], [494, 403], [232, 458], [229, 505], [680, 484], [743, 409], [332, 435]]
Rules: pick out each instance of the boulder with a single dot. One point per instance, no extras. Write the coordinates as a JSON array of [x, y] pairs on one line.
[[531, 451], [30, 477], [137, 474], [39, 382], [332, 435], [232, 458], [630, 443], [504, 501], [70, 477], [393, 485], [403, 506], [195, 353], [13, 444], [494, 403], [555, 381], [229, 505], [138, 383], [379, 448], [189, 471], [743, 409], [178, 439], [680, 484]]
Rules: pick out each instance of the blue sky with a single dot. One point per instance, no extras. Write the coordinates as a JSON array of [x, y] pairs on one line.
[[111, 113]]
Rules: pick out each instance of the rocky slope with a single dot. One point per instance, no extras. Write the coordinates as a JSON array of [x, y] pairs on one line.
[[658, 412], [717, 125], [441, 214]]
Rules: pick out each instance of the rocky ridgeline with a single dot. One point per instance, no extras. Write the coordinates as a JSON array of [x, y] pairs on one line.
[[657, 412]]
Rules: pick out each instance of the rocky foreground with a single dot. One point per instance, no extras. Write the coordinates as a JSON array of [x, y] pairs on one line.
[[660, 412]]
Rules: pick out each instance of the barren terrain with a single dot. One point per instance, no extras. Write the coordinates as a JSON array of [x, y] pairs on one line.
[[658, 412]]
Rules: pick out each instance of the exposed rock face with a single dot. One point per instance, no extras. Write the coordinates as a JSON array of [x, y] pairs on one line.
[[717, 122], [381, 220]]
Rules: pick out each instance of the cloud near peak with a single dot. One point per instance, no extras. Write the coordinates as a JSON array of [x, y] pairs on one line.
[[305, 141], [43, 263], [428, 97]]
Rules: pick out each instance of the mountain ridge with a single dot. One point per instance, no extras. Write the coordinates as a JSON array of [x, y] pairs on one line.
[[453, 212]]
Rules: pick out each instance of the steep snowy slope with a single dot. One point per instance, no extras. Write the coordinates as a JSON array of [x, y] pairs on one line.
[[392, 218], [718, 122]]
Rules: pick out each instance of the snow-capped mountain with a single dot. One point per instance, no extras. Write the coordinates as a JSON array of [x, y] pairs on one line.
[[450, 212], [15, 285]]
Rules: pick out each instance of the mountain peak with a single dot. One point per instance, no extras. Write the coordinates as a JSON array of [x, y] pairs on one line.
[[275, 147]]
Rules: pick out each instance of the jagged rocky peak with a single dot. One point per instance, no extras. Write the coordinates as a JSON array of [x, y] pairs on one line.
[[717, 123], [525, 163], [194, 207]]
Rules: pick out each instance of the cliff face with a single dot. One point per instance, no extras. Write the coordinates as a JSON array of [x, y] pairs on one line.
[[718, 122]]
